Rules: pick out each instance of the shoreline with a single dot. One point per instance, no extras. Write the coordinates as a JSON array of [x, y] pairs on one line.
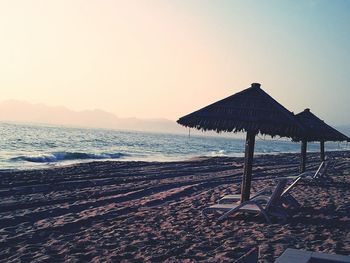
[[151, 211], [63, 164]]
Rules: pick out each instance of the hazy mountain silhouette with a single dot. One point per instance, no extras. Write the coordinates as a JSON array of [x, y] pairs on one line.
[[24, 112], [20, 111]]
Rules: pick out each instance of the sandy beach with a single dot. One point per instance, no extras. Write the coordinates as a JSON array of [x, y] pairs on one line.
[[151, 211]]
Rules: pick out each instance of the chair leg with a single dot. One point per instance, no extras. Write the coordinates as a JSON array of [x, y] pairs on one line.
[[290, 201], [263, 212]]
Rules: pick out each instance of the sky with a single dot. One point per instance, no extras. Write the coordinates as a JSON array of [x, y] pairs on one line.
[[165, 59]]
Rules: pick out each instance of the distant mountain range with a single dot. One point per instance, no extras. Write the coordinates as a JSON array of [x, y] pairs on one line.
[[24, 112]]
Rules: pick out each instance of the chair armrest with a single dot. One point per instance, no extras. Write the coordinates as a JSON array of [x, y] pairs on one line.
[[260, 199], [269, 188]]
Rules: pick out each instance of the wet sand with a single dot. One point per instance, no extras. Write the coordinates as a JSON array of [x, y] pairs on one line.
[[143, 211]]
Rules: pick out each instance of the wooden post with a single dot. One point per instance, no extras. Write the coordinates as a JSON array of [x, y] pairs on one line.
[[248, 165], [303, 156], [322, 151]]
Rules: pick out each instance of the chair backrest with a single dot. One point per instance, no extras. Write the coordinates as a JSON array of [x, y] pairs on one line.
[[296, 180], [319, 169], [276, 194], [300, 176]]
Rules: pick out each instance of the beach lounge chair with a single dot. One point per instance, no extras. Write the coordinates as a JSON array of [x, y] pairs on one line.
[[294, 255], [268, 206], [286, 198], [321, 170], [251, 256], [236, 197], [328, 166]]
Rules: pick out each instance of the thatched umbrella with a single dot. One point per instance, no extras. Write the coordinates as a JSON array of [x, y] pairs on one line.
[[251, 110], [316, 130]]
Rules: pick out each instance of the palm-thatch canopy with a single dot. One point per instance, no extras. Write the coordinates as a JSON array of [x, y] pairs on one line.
[[316, 129], [251, 110]]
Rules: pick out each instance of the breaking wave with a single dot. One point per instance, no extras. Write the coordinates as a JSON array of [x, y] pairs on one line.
[[67, 156]]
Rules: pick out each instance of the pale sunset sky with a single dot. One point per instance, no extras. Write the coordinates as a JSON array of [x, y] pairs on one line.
[[164, 59]]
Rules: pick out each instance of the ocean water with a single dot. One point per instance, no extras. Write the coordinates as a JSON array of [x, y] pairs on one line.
[[38, 146]]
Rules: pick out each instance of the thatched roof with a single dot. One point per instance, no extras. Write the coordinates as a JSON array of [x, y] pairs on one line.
[[317, 130], [249, 110]]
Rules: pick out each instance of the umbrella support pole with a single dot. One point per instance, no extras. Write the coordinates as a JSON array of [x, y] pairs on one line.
[[322, 151], [303, 156], [248, 164]]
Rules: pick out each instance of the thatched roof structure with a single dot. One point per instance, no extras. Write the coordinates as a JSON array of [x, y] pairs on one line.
[[251, 110], [316, 129]]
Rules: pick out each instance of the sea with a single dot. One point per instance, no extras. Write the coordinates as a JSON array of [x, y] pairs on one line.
[[25, 146]]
